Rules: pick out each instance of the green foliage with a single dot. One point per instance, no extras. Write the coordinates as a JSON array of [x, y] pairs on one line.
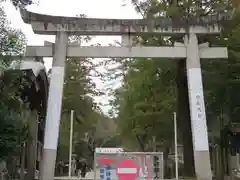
[[13, 111], [14, 114], [12, 41], [13, 132], [146, 101]]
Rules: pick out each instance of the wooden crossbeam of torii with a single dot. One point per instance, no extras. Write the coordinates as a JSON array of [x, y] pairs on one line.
[[176, 52]]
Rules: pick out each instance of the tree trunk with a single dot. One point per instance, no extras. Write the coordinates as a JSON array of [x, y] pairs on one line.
[[141, 142], [32, 146], [184, 121], [22, 165], [167, 170], [12, 167]]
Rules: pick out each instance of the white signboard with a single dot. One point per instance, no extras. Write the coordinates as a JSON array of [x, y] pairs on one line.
[[197, 108], [54, 107], [108, 150]]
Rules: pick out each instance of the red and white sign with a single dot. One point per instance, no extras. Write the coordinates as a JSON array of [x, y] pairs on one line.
[[127, 170], [104, 161]]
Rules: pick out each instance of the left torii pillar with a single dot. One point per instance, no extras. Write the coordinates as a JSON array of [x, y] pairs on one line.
[[54, 106]]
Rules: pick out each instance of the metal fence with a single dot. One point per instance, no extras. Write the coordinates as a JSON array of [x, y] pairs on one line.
[[119, 165]]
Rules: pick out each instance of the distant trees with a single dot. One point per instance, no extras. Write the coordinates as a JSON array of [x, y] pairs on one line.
[[89, 120]]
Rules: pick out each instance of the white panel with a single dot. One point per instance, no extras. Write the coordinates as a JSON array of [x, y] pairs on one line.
[[127, 170], [198, 114], [108, 150], [54, 107]]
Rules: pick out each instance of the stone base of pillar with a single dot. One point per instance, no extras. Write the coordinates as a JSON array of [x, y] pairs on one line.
[[48, 168], [203, 171]]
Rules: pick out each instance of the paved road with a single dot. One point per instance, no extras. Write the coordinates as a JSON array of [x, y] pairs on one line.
[[90, 175]]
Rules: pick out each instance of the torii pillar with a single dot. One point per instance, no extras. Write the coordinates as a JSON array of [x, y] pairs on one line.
[[197, 109], [54, 107]]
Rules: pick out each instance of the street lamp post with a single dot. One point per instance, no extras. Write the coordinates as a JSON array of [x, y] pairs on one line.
[[176, 145], [70, 144]]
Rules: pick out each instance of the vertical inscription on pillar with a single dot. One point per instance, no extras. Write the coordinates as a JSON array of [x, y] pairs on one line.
[[197, 109]]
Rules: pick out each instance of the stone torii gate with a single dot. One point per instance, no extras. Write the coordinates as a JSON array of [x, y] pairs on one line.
[[62, 27]]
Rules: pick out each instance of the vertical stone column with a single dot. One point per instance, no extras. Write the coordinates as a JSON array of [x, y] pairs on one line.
[[32, 145], [197, 109], [54, 107]]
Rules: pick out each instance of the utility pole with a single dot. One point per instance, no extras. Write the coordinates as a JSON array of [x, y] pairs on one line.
[[70, 144], [176, 144]]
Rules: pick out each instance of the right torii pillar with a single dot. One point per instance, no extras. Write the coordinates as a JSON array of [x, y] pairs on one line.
[[197, 109]]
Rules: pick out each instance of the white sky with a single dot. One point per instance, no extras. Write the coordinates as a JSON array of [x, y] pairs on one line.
[[91, 8]]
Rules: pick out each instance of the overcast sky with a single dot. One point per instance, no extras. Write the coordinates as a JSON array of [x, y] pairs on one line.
[[91, 8]]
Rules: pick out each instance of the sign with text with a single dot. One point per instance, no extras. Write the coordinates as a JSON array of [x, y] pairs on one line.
[[129, 165]]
